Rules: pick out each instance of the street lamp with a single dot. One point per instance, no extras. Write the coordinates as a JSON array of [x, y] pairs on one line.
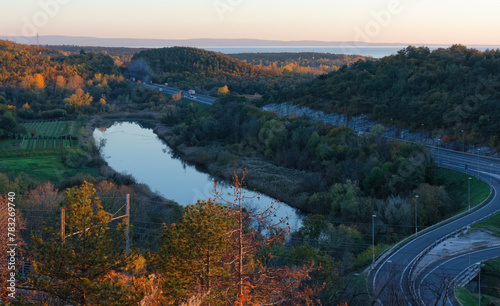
[[416, 214], [373, 238], [468, 190], [439, 146], [491, 172], [423, 133], [463, 140]]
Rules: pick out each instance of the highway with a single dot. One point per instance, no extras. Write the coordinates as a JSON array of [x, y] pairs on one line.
[[434, 280], [389, 277], [171, 90]]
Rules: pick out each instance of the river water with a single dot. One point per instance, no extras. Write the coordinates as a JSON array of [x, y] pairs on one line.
[[135, 150]]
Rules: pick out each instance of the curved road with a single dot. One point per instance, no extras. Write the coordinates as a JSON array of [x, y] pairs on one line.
[[434, 280], [389, 278]]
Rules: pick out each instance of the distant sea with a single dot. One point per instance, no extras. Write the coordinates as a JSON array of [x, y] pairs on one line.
[[374, 51]]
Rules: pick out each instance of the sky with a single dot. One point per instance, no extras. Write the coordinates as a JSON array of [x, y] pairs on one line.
[[375, 21]]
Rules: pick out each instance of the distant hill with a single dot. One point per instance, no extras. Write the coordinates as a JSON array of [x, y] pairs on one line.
[[197, 68], [197, 42], [37, 82], [18, 61], [122, 56], [453, 89], [318, 63]]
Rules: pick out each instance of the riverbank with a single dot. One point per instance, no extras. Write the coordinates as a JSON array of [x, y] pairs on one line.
[[285, 185]]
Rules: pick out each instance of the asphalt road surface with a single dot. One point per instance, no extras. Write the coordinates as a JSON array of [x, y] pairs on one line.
[[390, 277], [433, 282], [171, 90]]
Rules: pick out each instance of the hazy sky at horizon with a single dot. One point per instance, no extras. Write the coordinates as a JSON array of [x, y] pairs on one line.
[[376, 21]]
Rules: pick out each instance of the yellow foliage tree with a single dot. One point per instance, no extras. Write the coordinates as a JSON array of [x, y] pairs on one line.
[[39, 82], [79, 98], [223, 90]]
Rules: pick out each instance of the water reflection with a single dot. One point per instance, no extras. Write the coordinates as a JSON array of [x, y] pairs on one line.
[[135, 150]]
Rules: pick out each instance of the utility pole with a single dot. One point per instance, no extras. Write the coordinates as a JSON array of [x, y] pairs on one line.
[[491, 172], [479, 286], [416, 214], [63, 223], [468, 191], [127, 202], [373, 238], [463, 140]]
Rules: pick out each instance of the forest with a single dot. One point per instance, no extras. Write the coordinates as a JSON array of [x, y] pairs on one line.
[[338, 178], [249, 74], [218, 252], [121, 56], [51, 161], [307, 63], [444, 90]]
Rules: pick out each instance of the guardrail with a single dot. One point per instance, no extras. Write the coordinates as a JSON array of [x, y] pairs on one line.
[[414, 275], [427, 250], [467, 275]]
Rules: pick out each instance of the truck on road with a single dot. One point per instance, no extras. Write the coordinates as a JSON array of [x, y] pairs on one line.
[[191, 92]]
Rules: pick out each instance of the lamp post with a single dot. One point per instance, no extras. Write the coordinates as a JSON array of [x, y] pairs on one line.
[[463, 141], [416, 214], [491, 172], [439, 146], [373, 238], [468, 190], [423, 138], [479, 285]]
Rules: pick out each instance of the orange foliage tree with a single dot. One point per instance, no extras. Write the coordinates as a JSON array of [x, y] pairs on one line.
[[86, 264], [220, 254]]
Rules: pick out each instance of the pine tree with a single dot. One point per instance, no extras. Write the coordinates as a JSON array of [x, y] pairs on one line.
[[192, 261], [87, 264]]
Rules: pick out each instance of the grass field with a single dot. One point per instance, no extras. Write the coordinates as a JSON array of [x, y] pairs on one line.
[[40, 153], [44, 135], [47, 167], [456, 184], [53, 128], [492, 224], [490, 272], [469, 298]]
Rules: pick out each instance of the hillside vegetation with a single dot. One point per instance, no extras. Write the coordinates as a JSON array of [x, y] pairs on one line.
[[451, 89], [311, 63], [208, 71]]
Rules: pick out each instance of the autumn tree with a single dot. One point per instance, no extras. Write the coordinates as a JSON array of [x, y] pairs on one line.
[[219, 254], [193, 258], [27, 82], [224, 90], [40, 205], [75, 82], [85, 264], [102, 100], [60, 81], [79, 98], [39, 82], [255, 233]]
